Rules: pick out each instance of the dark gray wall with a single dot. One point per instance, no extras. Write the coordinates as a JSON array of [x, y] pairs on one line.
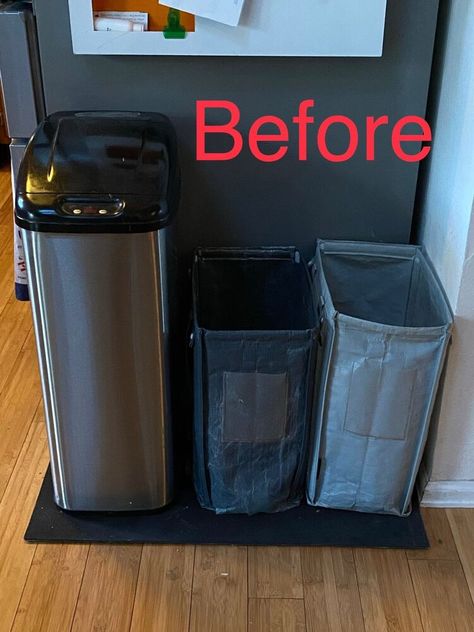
[[243, 201]]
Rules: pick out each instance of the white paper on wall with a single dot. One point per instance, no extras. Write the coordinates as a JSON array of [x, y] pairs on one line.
[[137, 17], [225, 11]]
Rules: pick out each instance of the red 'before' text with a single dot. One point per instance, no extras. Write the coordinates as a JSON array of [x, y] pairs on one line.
[[274, 130]]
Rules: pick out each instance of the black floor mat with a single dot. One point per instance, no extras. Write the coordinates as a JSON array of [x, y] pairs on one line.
[[184, 522]]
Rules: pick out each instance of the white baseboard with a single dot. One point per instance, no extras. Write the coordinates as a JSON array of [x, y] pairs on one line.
[[449, 494]]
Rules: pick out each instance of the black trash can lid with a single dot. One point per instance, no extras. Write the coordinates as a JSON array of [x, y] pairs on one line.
[[99, 172]]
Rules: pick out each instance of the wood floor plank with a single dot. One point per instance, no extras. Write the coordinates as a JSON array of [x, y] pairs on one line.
[[20, 399], [276, 615], [52, 588], [15, 325], [5, 236], [6, 212], [443, 596], [163, 598], [219, 596], [105, 602], [386, 591], [461, 522], [442, 545], [15, 511], [6, 207], [6, 249], [331, 591], [275, 572], [5, 195]]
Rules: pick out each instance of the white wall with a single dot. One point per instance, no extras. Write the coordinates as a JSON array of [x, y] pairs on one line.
[[447, 231]]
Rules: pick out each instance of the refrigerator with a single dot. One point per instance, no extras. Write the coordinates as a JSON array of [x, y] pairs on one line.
[[23, 98]]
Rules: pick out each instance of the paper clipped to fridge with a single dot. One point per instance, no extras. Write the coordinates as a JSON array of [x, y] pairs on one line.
[[225, 11], [105, 20]]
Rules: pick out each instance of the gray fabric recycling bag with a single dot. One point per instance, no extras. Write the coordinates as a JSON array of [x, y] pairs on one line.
[[254, 366], [385, 327]]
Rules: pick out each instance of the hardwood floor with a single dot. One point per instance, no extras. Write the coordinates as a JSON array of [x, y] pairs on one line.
[[82, 588]]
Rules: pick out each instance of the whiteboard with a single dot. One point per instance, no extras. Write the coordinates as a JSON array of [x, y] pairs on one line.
[[281, 28]]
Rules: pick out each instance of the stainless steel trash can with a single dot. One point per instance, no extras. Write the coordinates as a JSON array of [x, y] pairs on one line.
[[94, 194]]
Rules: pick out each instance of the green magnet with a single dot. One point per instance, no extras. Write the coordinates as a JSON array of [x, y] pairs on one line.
[[174, 29]]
